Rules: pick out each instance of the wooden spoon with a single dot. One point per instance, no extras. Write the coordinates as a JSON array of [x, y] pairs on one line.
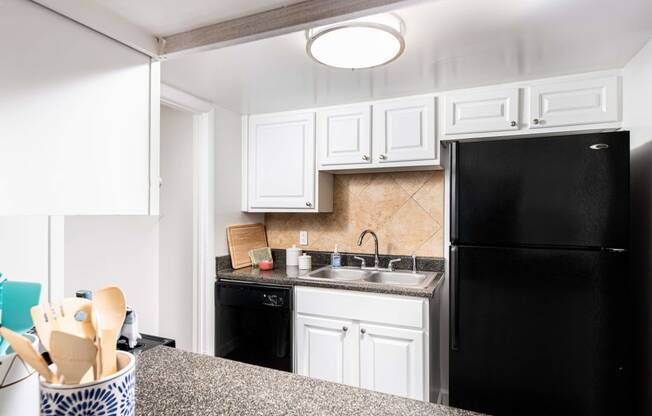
[[109, 308], [73, 355], [28, 353]]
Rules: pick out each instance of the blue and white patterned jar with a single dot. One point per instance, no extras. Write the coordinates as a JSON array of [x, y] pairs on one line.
[[114, 395]]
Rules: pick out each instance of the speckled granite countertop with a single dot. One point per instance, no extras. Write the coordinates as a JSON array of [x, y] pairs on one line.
[[290, 276], [174, 382]]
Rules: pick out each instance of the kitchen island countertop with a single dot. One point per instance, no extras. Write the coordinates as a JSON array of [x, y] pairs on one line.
[[174, 382]]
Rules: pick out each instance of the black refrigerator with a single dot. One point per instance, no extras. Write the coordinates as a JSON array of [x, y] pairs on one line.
[[539, 279]]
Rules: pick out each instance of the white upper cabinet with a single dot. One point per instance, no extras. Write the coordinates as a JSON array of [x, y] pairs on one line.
[[575, 102], [344, 135], [75, 111], [391, 360], [482, 111], [281, 162], [404, 131], [326, 349]]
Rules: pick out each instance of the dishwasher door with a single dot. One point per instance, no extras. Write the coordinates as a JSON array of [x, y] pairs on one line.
[[253, 324]]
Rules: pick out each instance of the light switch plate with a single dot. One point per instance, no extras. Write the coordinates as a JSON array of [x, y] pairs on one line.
[[303, 238]]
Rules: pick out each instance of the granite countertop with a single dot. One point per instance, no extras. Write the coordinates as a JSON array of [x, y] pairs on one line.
[[174, 382], [289, 276]]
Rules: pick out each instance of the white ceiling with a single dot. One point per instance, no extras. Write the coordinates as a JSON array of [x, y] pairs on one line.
[[449, 44], [165, 17]]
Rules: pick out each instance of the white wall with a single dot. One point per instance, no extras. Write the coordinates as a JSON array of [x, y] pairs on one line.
[[24, 245], [74, 117], [637, 115], [176, 227], [228, 177], [115, 250]]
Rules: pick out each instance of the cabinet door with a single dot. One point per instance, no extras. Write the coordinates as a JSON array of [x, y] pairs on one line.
[[404, 130], [327, 349], [344, 135], [482, 112], [392, 360], [577, 102], [281, 161]]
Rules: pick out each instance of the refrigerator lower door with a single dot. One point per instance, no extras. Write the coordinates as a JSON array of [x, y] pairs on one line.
[[539, 332]]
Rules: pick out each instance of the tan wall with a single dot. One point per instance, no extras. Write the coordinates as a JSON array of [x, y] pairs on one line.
[[405, 209]]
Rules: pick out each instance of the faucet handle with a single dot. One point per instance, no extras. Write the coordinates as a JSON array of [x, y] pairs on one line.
[[390, 266], [362, 265]]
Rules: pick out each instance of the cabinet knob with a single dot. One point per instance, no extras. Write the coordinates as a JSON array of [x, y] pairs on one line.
[[365, 157], [363, 331], [382, 157], [513, 124], [308, 204], [536, 121], [345, 328]]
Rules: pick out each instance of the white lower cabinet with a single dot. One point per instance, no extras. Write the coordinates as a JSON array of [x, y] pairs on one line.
[[326, 349], [374, 341]]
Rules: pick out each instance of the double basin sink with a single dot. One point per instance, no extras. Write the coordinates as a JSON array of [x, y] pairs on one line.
[[354, 274]]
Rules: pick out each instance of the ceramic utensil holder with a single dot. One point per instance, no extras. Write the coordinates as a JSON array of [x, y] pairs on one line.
[[18, 384], [112, 395]]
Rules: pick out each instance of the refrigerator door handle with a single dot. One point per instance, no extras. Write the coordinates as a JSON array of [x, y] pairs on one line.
[[454, 314], [454, 225]]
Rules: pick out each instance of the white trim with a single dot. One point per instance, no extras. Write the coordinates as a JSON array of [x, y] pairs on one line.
[[99, 19], [56, 242], [154, 137], [203, 209]]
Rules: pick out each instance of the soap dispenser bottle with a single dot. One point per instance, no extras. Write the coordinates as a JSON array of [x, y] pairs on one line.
[[336, 258]]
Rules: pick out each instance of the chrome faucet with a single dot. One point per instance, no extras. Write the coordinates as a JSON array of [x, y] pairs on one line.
[[373, 234]]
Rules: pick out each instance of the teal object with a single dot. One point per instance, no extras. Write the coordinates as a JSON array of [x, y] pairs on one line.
[[17, 301]]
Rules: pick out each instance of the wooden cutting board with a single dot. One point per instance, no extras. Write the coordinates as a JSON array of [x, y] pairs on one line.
[[241, 239]]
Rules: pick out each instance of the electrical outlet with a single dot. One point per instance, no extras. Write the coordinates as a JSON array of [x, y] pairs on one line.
[[303, 238]]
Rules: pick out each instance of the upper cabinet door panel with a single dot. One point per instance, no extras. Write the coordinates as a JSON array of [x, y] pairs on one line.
[[570, 103], [281, 161], [344, 135], [482, 112], [404, 130]]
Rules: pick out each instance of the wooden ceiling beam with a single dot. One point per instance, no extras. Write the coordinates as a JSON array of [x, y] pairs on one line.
[[283, 20]]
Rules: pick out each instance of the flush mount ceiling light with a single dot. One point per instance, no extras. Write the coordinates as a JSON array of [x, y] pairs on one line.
[[356, 44]]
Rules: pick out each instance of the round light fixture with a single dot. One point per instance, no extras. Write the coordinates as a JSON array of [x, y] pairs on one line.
[[362, 43]]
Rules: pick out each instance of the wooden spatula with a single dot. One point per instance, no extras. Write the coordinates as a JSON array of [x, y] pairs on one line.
[[72, 315], [110, 308], [45, 321], [73, 355], [28, 353], [76, 317]]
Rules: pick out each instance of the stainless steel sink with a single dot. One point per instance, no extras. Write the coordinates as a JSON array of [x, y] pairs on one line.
[[396, 278], [401, 278], [338, 273]]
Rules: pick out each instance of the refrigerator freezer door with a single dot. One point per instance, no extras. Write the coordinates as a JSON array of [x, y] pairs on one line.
[[549, 191], [538, 331]]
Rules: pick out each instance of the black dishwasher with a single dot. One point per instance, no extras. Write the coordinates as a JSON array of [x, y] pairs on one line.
[[253, 323]]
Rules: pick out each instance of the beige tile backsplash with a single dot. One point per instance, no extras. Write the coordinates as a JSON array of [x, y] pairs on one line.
[[405, 209]]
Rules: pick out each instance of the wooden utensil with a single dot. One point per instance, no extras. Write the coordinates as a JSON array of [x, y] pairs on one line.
[[109, 310], [73, 355], [76, 317], [28, 353], [243, 238], [72, 315], [45, 321]]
